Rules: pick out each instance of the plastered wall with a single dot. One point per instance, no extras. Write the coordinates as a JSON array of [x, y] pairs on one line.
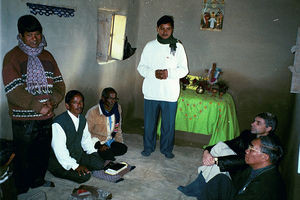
[[253, 50], [73, 42]]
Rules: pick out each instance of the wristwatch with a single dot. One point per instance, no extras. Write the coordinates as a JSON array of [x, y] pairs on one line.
[[216, 161]]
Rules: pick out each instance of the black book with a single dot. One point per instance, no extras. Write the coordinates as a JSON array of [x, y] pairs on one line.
[[114, 168]]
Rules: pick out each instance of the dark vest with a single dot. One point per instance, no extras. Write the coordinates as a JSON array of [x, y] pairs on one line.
[[74, 137]]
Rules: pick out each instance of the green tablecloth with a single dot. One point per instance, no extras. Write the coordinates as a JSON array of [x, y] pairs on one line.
[[206, 114]]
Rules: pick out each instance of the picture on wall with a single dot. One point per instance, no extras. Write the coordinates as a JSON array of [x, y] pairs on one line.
[[212, 15]]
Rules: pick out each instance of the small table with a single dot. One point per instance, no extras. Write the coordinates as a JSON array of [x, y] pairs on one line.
[[207, 114]]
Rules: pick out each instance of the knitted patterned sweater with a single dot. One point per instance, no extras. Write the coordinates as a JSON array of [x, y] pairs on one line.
[[22, 104]]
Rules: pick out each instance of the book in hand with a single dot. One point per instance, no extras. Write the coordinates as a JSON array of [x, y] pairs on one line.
[[114, 168]]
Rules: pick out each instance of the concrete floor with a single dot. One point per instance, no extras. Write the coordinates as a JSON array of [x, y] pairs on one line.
[[155, 177]]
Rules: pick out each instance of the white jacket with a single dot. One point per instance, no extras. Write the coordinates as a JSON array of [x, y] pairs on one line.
[[158, 56]]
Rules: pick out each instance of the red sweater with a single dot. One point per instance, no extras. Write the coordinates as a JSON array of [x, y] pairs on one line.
[[22, 104]]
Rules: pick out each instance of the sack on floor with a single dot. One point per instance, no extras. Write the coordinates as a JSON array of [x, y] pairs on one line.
[[113, 172], [86, 192]]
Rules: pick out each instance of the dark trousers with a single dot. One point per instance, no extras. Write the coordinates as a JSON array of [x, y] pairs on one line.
[[90, 161], [219, 187], [8, 190], [152, 109], [32, 142], [116, 149]]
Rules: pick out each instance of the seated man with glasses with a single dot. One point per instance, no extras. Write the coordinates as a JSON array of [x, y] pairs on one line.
[[229, 156], [264, 124], [260, 180], [104, 122]]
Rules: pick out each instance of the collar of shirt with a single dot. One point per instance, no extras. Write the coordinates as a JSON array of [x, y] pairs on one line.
[[75, 120], [257, 172]]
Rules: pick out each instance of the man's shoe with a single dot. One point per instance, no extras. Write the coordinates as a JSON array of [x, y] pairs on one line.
[[169, 155], [145, 153]]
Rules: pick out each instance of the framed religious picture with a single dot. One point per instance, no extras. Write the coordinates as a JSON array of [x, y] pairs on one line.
[[212, 15]]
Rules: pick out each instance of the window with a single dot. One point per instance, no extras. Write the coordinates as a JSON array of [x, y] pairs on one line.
[[111, 36]]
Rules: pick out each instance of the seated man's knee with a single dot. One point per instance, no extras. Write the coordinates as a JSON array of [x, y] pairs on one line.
[[219, 180]]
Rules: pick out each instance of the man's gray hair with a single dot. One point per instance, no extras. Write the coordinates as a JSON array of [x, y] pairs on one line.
[[270, 120], [271, 145]]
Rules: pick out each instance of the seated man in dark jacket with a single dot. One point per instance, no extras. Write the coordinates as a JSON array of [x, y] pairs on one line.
[[73, 155], [260, 180], [264, 124]]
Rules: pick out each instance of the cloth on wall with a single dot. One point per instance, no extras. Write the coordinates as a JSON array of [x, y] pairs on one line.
[[295, 69]]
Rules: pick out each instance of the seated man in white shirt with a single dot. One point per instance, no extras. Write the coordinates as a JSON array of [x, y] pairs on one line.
[[73, 155]]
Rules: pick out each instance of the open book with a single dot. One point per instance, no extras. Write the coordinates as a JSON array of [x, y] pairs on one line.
[[114, 168]]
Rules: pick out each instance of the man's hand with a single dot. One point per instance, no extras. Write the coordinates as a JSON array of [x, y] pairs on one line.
[[103, 147], [82, 170], [164, 74], [158, 74], [50, 102], [161, 74], [47, 109], [207, 158]]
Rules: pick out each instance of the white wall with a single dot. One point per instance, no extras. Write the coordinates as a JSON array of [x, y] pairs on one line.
[[72, 41], [253, 49]]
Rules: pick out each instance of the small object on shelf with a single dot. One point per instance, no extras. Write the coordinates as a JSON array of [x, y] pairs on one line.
[[213, 74], [200, 89], [207, 82], [223, 87], [200, 84], [185, 81], [214, 90]]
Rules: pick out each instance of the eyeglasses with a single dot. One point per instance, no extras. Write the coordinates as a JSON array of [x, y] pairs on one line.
[[251, 149], [116, 99]]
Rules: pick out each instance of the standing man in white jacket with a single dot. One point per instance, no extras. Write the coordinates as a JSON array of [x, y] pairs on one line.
[[163, 62]]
